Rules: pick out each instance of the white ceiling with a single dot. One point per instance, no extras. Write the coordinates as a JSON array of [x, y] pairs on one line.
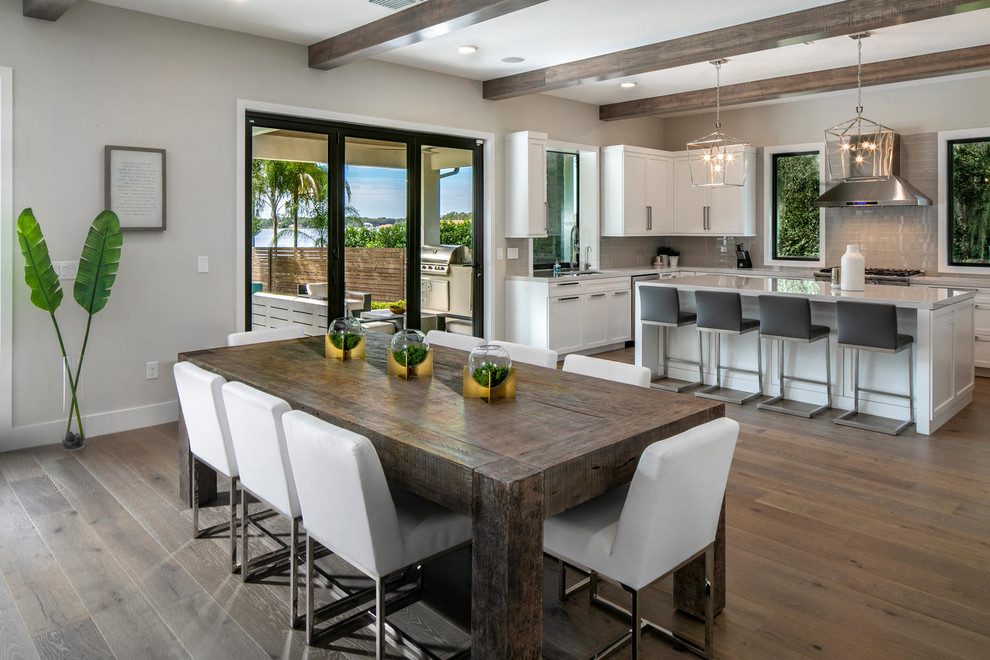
[[558, 31]]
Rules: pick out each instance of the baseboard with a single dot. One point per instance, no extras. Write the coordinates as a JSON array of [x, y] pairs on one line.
[[96, 424]]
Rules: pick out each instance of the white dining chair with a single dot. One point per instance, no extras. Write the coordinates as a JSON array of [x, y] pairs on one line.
[[453, 340], [348, 507], [541, 357], [263, 335], [209, 441], [641, 532], [258, 439], [620, 372]]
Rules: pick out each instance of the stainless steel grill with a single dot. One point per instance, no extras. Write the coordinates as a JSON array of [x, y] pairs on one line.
[[890, 276], [437, 259]]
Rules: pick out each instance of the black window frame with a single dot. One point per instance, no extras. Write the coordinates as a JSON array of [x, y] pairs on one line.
[[950, 216], [337, 133], [773, 206]]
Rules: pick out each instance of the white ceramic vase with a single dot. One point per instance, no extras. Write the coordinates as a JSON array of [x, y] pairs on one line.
[[853, 269]]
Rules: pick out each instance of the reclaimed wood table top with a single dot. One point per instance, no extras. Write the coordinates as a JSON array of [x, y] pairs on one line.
[[584, 434]]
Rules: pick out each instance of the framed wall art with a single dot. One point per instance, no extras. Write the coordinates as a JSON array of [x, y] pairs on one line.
[[135, 187]]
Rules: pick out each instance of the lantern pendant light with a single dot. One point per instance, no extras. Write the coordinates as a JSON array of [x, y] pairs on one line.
[[717, 160], [859, 149]]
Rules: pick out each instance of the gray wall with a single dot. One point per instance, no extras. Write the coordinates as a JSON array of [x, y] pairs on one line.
[[102, 75]]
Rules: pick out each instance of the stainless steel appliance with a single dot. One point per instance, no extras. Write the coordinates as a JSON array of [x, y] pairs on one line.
[[446, 280], [889, 276], [892, 191]]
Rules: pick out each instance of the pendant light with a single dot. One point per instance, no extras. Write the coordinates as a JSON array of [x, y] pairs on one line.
[[717, 160], [859, 149]]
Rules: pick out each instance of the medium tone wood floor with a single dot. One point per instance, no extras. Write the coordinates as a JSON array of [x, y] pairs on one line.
[[841, 544]]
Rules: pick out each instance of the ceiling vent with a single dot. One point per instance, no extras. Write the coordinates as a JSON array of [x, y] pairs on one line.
[[395, 4]]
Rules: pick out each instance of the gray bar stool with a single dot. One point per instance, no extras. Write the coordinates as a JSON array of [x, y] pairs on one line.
[[661, 306], [720, 312], [873, 327], [787, 319]]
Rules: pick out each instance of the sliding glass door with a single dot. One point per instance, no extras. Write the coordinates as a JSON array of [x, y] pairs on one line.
[[337, 217]]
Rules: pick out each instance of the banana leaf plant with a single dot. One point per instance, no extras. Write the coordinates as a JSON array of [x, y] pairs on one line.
[[97, 272]]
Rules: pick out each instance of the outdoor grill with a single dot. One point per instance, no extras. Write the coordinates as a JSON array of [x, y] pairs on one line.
[[437, 259]]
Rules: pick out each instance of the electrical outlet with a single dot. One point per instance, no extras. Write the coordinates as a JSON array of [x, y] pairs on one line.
[[66, 270], [151, 370], [203, 265]]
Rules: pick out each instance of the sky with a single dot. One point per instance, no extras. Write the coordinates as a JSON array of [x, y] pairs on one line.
[[380, 192]]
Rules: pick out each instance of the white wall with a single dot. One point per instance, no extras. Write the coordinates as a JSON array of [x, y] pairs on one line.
[[102, 76]]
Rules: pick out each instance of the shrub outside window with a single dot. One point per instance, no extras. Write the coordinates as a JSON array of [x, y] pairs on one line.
[[968, 211], [795, 220]]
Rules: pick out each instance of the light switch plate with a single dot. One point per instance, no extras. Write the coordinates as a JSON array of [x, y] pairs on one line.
[[498, 252], [203, 265], [513, 253], [66, 270]]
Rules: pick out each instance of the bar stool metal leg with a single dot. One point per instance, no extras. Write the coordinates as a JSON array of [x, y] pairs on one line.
[[665, 361], [740, 397]]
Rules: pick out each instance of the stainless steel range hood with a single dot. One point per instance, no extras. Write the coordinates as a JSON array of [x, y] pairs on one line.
[[893, 191]]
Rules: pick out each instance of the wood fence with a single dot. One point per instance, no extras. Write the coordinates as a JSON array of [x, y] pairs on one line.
[[378, 271]]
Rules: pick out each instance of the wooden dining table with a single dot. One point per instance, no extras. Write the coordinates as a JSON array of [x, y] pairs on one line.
[[510, 464]]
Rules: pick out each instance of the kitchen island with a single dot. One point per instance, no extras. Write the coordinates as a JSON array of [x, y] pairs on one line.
[[939, 319]]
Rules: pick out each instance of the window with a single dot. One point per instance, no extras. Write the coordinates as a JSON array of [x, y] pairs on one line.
[[968, 201], [562, 241], [794, 228]]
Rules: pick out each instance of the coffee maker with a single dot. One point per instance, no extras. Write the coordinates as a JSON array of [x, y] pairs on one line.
[[742, 257]]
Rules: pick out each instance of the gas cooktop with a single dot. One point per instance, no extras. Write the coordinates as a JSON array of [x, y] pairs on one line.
[[885, 272]]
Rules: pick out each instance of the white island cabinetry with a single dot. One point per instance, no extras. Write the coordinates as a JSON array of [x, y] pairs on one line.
[[941, 320], [568, 314]]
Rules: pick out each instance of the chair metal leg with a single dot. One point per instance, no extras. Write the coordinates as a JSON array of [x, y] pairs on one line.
[[379, 618], [294, 574], [194, 497], [233, 524], [828, 373], [245, 557], [636, 621], [701, 359], [911, 384], [310, 590], [759, 365]]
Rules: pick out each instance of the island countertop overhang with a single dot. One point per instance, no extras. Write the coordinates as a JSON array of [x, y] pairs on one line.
[[818, 291]]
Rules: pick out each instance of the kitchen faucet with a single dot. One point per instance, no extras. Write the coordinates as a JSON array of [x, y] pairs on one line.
[[575, 248]]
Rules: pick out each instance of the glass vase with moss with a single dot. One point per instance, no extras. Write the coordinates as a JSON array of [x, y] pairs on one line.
[[409, 355], [345, 339], [489, 374]]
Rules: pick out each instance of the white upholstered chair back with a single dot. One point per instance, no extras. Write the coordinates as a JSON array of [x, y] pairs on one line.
[[453, 340], [205, 416], [259, 443], [317, 289], [541, 357], [674, 501], [346, 503], [607, 369], [264, 335]]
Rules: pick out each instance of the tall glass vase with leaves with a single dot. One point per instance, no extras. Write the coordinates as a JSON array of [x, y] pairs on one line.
[[97, 272]]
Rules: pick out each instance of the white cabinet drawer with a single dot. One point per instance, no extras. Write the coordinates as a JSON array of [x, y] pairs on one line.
[[610, 284], [981, 317], [571, 287], [981, 351]]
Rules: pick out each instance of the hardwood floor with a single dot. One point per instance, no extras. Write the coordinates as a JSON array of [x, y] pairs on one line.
[[841, 544]]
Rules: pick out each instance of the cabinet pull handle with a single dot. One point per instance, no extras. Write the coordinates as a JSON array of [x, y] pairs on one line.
[[982, 306], [708, 217], [598, 295], [979, 338], [649, 218], [567, 284], [569, 298], [621, 293], [546, 217]]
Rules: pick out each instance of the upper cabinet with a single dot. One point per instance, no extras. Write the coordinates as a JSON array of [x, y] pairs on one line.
[[636, 192], [526, 185], [727, 211]]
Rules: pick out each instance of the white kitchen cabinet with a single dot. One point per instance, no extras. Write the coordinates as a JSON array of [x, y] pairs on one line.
[[725, 211], [526, 185], [952, 356], [981, 329], [618, 313], [636, 192], [568, 314]]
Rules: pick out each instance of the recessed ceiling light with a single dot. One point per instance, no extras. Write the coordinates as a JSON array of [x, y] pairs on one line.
[[513, 60], [627, 85], [467, 50]]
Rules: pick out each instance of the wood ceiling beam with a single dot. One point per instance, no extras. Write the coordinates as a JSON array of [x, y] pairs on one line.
[[963, 60], [48, 10], [420, 22], [837, 19]]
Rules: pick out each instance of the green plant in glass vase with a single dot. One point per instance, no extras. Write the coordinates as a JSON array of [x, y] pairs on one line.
[[97, 272]]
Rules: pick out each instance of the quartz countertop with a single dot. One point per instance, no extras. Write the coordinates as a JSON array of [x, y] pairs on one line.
[[901, 296]]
